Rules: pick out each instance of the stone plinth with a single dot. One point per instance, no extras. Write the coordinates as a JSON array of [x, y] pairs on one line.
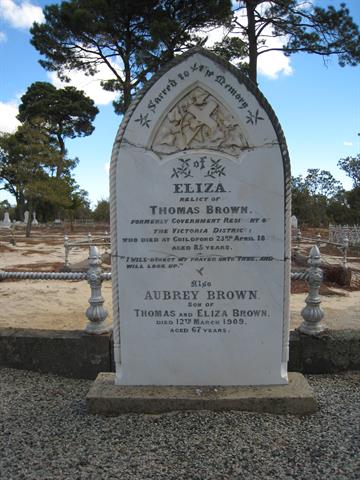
[[106, 398]]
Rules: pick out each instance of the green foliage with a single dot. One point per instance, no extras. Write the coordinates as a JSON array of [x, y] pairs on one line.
[[24, 158], [62, 113], [5, 206], [303, 26], [65, 111], [133, 39], [233, 49], [27, 160], [351, 166], [140, 36], [322, 183], [353, 200], [101, 212], [317, 197], [79, 204]]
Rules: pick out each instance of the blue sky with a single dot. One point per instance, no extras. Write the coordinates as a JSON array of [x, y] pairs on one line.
[[318, 106]]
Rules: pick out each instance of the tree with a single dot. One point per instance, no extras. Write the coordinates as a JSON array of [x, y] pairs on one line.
[[353, 199], [322, 183], [315, 197], [25, 157], [131, 38], [351, 166], [80, 203], [233, 49], [6, 207], [62, 113], [101, 212], [303, 27], [60, 198]]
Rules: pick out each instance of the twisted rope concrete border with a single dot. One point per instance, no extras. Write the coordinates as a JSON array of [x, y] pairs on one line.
[[300, 275], [44, 275], [83, 275]]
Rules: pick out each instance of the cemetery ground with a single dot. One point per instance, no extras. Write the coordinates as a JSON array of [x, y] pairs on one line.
[[61, 305], [46, 432]]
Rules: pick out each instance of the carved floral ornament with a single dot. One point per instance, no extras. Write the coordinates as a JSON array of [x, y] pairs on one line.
[[199, 121]]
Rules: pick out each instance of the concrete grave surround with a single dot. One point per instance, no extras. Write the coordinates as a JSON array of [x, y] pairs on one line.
[[200, 213]]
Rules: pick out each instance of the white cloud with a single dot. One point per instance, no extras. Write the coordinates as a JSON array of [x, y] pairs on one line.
[[89, 84], [2, 37], [20, 14], [8, 120], [348, 144], [274, 63], [107, 167]]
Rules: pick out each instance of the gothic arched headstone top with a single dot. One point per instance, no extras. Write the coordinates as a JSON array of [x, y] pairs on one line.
[[200, 212], [199, 120]]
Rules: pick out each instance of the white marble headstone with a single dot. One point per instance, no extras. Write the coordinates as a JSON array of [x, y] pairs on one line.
[[26, 217], [34, 220], [200, 204], [6, 221], [294, 222]]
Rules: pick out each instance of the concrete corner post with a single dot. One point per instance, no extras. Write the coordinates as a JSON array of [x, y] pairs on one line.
[[318, 240], [345, 247], [298, 241], [313, 313], [67, 251], [96, 313]]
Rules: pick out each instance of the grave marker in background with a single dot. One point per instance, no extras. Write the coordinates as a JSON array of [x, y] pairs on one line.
[[200, 198], [6, 223], [294, 226]]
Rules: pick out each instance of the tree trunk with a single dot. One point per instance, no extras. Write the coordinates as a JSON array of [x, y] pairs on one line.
[[253, 54], [127, 95], [20, 206], [29, 222], [127, 83], [59, 169], [127, 69]]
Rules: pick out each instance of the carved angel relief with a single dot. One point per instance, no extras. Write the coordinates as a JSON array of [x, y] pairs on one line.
[[199, 120]]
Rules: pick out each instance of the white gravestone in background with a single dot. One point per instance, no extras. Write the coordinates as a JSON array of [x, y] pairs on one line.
[[294, 222], [200, 232], [6, 221], [26, 216]]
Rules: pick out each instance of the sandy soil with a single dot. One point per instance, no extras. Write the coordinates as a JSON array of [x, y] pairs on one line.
[[61, 305]]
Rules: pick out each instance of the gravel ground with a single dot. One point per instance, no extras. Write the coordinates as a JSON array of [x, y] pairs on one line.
[[47, 434]]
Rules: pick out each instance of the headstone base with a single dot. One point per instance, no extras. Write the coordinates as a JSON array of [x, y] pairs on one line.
[[106, 398]]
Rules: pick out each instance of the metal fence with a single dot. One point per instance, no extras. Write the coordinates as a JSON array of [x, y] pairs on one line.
[[90, 240], [96, 313], [342, 246], [341, 233]]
